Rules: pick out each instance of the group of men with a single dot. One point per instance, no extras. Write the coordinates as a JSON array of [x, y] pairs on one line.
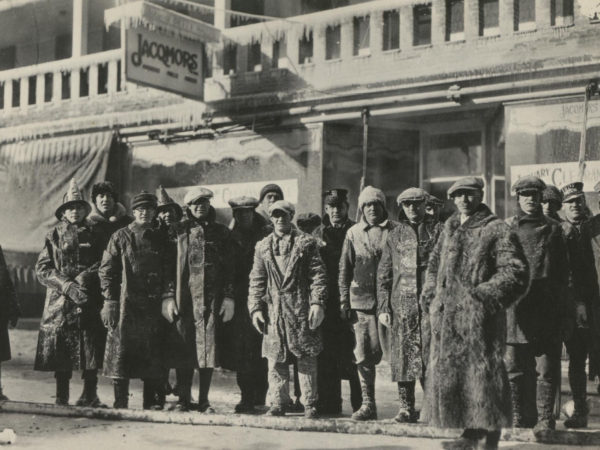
[[471, 308]]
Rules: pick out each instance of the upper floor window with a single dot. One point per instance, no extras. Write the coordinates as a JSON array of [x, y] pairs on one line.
[[254, 57], [229, 59], [489, 23], [561, 12], [524, 15], [305, 53], [333, 42], [63, 46], [391, 30], [361, 36], [8, 57], [455, 20], [422, 25], [280, 54]]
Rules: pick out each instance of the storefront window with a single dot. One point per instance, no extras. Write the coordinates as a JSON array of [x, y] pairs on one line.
[[455, 154]]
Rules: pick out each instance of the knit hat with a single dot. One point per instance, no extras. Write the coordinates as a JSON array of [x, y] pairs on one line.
[[270, 188], [72, 197], [197, 193], [370, 195], [166, 202], [282, 205], [144, 199]]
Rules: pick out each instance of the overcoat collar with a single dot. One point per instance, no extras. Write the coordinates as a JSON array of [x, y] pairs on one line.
[[295, 254]]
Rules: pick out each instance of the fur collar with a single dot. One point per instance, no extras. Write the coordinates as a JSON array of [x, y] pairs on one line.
[[119, 213], [480, 218]]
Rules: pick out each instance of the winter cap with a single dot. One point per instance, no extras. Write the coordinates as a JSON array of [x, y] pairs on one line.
[[144, 199], [166, 202], [270, 188], [243, 202], [572, 191], [370, 195], [413, 194], [466, 183], [551, 194], [282, 205], [308, 220], [336, 196], [72, 198], [197, 193], [433, 200], [529, 183], [104, 187]]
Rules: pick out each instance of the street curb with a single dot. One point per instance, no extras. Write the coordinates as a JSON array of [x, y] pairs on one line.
[[293, 423]]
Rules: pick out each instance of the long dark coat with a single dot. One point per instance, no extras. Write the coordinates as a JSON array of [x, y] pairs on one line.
[[9, 308], [539, 317], [204, 277], [285, 298], [71, 336], [583, 243], [135, 273], [475, 271], [106, 227], [338, 337], [400, 277]]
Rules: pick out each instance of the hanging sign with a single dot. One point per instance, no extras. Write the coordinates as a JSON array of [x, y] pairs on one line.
[[164, 62]]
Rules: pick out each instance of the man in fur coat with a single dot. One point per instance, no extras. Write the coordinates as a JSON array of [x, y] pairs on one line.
[[536, 323], [476, 269], [358, 290], [400, 279], [286, 300]]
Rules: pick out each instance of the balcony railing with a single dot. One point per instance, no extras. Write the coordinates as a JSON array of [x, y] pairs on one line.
[[56, 81]]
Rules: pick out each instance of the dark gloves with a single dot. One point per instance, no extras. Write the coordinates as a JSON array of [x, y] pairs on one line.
[[76, 293], [110, 314]]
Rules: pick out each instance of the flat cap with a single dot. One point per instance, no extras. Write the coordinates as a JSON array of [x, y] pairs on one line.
[[529, 183], [270, 188], [282, 205], [466, 183], [243, 202], [335, 196], [196, 193], [572, 190], [414, 194], [144, 199], [308, 220], [551, 194], [433, 200]]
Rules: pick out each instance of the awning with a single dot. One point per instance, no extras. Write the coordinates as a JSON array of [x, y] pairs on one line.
[[34, 176]]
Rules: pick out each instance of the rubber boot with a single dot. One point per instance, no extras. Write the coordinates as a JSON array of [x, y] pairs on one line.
[[368, 409], [205, 376], [62, 387], [121, 388], [406, 397], [546, 393], [89, 396]]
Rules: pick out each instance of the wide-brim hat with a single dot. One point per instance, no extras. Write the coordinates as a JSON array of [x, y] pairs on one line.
[[165, 202], [72, 197]]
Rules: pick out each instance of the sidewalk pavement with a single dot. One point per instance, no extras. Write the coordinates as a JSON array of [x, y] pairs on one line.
[[33, 392]]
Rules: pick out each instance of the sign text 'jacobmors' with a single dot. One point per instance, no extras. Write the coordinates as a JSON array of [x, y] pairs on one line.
[[164, 62]]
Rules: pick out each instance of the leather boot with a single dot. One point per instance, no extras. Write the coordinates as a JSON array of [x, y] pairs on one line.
[[184, 389], [62, 387], [516, 393], [89, 396], [205, 376], [246, 404], [546, 393], [152, 394], [355, 391], [406, 397], [368, 409], [579, 419], [121, 388]]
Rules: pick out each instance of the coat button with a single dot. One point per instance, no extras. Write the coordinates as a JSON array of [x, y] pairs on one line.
[[78, 310]]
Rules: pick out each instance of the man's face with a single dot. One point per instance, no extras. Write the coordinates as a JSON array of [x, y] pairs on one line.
[[530, 201], [414, 210], [105, 203], [144, 215], [167, 215], [200, 208], [337, 213], [75, 214], [282, 221], [574, 209], [270, 198], [244, 217], [373, 212], [467, 201], [551, 207]]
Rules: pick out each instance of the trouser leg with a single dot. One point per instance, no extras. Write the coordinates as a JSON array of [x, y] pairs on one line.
[[154, 396], [329, 385], [63, 379], [406, 397], [89, 396], [578, 348], [307, 377], [355, 390], [548, 369], [205, 378], [2, 396], [184, 379], [279, 378], [520, 365], [261, 382], [121, 388]]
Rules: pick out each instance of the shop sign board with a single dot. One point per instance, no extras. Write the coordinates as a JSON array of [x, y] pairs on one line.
[[559, 174], [164, 62]]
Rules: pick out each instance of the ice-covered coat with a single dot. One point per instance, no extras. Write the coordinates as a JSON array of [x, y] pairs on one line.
[[135, 273], [71, 336], [285, 298], [9, 308], [400, 277], [475, 271], [204, 277]]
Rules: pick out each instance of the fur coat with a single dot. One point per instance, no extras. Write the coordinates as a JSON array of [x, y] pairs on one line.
[[475, 271]]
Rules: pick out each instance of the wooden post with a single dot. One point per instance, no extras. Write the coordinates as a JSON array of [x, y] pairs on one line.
[[80, 28], [590, 90]]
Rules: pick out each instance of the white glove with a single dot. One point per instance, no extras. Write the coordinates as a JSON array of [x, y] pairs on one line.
[[227, 309], [385, 319], [315, 316], [169, 309]]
